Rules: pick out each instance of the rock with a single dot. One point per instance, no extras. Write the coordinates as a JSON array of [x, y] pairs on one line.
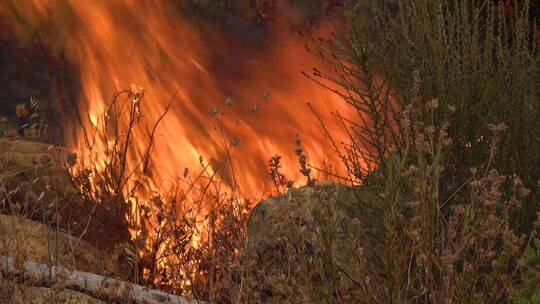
[[61, 278], [309, 237], [302, 214]]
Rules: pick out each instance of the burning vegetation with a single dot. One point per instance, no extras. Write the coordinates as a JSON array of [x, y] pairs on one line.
[[386, 153]]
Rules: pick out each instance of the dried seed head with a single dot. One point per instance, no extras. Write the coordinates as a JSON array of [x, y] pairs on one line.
[[15, 207], [522, 192], [214, 111], [11, 133], [475, 183], [71, 159], [459, 209], [433, 104], [235, 141], [298, 148], [537, 222], [21, 110], [230, 101], [447, 141], [267, 96], [186, 172], [497, 128]]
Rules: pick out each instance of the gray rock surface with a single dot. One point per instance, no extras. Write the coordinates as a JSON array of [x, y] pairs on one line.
[[308, 212]]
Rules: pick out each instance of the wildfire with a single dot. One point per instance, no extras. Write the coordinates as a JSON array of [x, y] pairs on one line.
[[117, 43]]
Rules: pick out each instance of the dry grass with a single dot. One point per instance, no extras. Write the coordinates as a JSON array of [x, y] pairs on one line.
[[30, 193]]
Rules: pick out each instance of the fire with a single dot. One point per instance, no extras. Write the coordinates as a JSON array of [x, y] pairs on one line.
[[116, 44]]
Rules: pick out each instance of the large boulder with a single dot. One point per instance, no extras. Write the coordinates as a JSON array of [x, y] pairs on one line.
[[327, 220], [271, 220]]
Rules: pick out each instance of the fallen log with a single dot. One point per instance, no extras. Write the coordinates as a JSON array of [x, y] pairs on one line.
[[98, 286]]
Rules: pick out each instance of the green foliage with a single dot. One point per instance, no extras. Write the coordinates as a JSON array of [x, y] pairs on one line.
[[477, 57], [530, 262], [447, 94], [480, 61]]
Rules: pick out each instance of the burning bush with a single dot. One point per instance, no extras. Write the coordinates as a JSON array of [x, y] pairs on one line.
[[440, 104], [182, 239]]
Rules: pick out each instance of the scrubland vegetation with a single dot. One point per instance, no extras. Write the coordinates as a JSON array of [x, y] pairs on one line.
[[439, 203]]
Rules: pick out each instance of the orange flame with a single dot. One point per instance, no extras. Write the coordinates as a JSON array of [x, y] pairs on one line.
[[116, 44]]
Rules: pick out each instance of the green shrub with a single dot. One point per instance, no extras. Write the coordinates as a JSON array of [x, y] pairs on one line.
[[475, 58], [445, 102], [530, 262]]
